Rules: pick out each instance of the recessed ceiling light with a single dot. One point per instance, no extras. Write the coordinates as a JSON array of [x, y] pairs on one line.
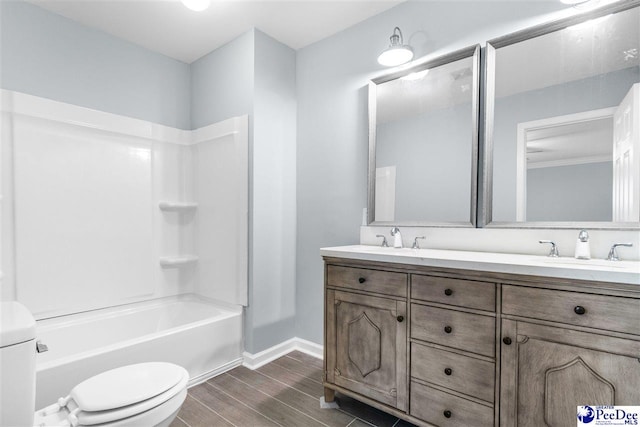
[[197, 5]]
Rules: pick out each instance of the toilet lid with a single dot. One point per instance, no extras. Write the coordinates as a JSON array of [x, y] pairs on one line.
[[125, 386]]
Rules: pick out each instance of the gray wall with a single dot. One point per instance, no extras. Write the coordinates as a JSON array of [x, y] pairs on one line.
[[332, 119], [46, 55], [222, 82], [271, 315], [571, 193], [255, 74], [603, 91]]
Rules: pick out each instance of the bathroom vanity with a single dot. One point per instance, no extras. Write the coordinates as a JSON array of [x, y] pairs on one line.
[[457, 338]]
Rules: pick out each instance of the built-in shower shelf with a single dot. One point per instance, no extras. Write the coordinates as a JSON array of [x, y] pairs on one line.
[[177, 261], [177, 206]]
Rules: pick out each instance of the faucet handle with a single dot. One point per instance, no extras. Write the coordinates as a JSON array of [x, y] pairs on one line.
[[613, 254], [415, 242], [554, 248], [384, 240]]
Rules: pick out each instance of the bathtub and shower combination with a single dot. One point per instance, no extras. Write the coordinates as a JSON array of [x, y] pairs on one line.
[[103, 209], [203, 336]]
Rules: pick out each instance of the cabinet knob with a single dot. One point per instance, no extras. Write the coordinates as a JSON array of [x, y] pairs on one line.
[[362, 279], [447, 414], [400, 318], [506, 340], [448, 329], [580, 310], [448, 292], [448, 371]]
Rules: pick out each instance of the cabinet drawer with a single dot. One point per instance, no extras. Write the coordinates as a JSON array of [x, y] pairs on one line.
[[460, 373], [464, 293], [466, 331], [444, 409], [383, 282], [598, 311]]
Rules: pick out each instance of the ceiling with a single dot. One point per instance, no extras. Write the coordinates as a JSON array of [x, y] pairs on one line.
[[169, 28]]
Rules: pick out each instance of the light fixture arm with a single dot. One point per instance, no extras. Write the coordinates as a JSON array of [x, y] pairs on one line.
[[396, 38], [397, 53]]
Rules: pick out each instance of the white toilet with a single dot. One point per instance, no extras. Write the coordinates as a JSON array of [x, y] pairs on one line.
[[146, 394]]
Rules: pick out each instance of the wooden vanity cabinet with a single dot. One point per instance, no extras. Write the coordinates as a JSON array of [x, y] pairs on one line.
[[366, 333], [552, 363], [445, 347]]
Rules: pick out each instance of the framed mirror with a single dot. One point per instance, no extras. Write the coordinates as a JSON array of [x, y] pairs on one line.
[[423, 143], [562, 134]]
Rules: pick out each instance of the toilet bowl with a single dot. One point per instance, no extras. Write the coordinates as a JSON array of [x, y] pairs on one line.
[[144, 394]]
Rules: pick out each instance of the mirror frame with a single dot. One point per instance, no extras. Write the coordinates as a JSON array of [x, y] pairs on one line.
[[472, 52], [486, 208]]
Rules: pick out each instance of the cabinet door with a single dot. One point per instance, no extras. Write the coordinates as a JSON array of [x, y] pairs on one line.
[[370, 352], [547, 372]]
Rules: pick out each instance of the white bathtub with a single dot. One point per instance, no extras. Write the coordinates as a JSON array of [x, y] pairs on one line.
[[195, 333]]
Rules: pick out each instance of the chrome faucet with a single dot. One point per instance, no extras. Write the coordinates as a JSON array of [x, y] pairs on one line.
[[554, 248], [613, 254], [384, 243], [397, 237], [415, 242]]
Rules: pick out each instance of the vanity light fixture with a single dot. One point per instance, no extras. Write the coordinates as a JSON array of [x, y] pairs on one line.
[[196, 5], [397, 53]]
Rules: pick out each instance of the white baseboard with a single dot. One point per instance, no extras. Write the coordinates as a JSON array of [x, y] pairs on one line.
[[254, 361], [215, 372]]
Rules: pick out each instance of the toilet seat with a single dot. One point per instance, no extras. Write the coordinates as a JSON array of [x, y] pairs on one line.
[[121, 396]]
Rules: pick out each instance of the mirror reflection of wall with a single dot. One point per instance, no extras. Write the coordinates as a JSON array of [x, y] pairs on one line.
[[568, 166], [559, 100], [424, 149]]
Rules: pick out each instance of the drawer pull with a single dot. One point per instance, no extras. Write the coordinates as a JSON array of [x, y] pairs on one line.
[[580, 310], [448, 371], [447, 414], [448, 329], [506, 340], [362, 279], [448, 292], [400, 319]]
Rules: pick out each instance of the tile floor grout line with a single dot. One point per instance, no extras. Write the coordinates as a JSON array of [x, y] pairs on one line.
[[396, 423], [297, 373], [185, 423], [212, 410], [283, 383], [278, 400], [227, 373], [241, 402], [300, 391], [366, 422], [297, 360]]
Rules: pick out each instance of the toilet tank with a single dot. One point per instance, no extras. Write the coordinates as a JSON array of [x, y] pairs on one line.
[[17, 365]]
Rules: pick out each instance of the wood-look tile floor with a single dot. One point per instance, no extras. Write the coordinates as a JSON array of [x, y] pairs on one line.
[[284, 393]]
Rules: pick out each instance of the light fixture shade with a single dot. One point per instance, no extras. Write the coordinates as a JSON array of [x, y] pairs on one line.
[[196, 5], [397, 53]]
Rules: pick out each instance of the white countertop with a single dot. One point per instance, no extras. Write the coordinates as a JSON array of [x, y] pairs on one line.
[[535, 265]]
